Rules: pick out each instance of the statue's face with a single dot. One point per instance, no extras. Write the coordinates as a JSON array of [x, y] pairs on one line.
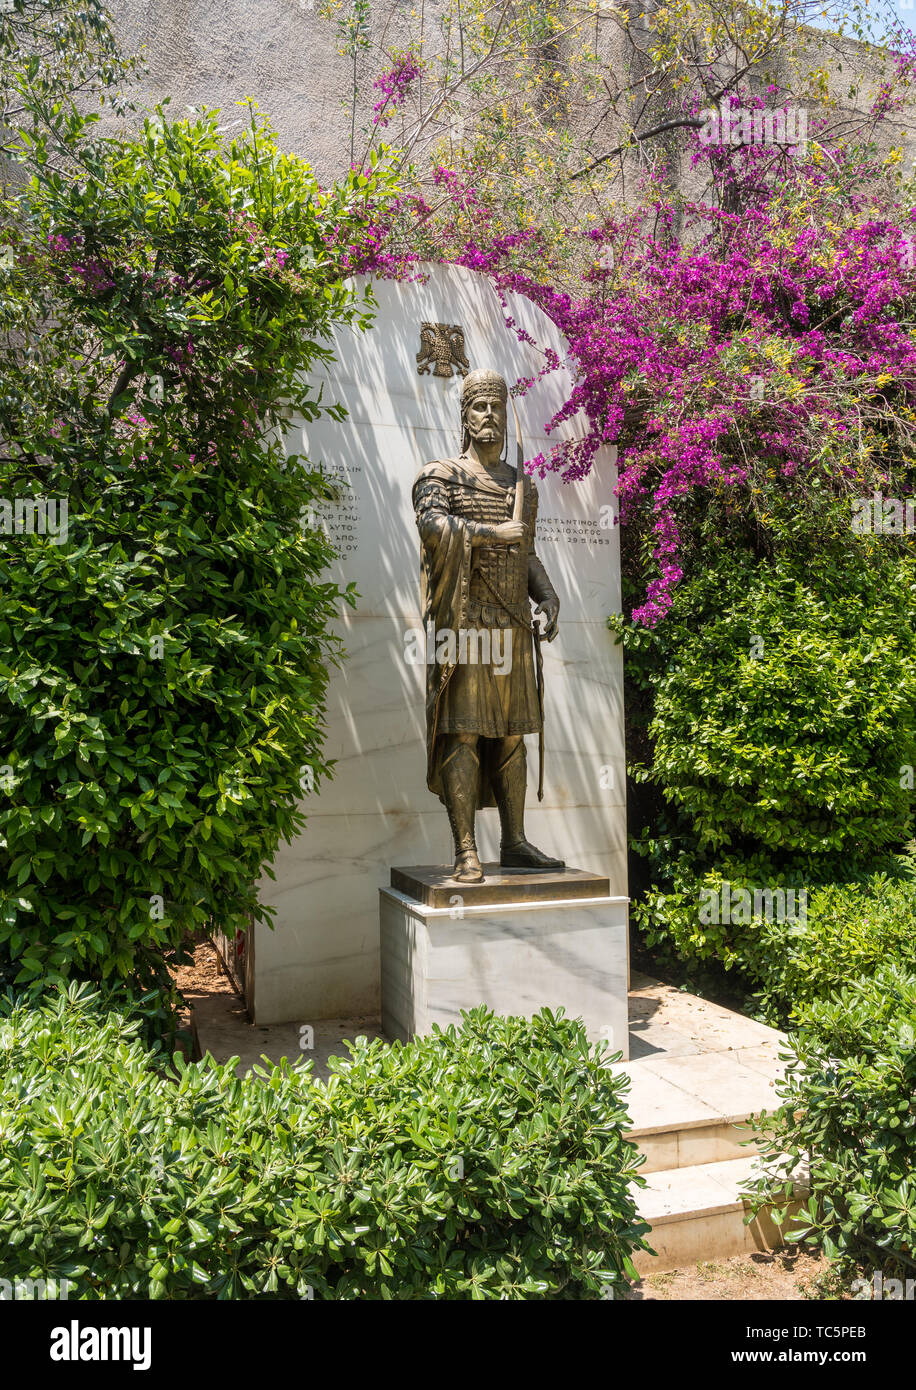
[[486, 421]]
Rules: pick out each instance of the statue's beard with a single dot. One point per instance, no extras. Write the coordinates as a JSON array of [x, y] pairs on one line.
[[489, 434]]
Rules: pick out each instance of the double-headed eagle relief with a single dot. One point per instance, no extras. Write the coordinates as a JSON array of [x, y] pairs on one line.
[[442, 348]]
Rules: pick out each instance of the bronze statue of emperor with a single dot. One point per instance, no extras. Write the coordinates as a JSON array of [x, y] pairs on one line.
[[477, 515]]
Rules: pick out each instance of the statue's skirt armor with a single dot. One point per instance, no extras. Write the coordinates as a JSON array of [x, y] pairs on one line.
[[477, 699]]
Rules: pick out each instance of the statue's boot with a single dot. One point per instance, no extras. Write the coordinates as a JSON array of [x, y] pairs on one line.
[[460, 777], [510, 782]]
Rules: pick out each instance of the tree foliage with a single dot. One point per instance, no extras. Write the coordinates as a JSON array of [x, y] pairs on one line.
[[164, 624]]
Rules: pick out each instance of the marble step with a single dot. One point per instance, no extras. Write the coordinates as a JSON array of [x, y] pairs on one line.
[[698, 1073], [690, 1111], [693, 1146], [696, 1213]]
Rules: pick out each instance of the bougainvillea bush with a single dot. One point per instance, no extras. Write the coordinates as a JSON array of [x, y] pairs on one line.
[[487, 1162], [743, 352], [745, 355], [164, 625]]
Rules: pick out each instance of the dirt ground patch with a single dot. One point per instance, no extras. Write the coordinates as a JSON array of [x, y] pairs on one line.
[[790, 1275], [202, 978], [205, 976]]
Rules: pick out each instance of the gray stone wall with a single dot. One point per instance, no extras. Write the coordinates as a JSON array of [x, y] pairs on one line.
[[217, 52], [285, 55]]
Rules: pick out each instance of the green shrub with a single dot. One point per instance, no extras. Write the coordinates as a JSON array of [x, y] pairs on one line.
[[829, 934], [849, 1106], [852, 929], [164, 657], [488, 1162], [784, 721]]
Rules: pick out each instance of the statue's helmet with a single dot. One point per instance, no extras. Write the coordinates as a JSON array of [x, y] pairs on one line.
[[483, 384]]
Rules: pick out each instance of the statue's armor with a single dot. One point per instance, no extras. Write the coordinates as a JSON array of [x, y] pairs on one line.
[[499, 576], [476, 700]]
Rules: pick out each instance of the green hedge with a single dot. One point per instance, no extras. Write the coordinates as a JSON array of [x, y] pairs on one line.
[[786, 721], [484, 1163], [836, 933], [849, 1105]]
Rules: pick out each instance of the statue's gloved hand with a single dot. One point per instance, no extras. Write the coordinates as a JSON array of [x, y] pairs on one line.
[[550, 608], [505, 533]]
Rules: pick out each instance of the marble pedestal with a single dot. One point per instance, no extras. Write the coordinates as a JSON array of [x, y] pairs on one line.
[[561, 939]]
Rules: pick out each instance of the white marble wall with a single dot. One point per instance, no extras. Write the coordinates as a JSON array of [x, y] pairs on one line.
[[322, 958]]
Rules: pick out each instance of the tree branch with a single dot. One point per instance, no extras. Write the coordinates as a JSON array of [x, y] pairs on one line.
[[635, 139]]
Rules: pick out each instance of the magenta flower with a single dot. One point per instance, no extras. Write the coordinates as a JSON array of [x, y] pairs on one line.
[[395, 87]]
